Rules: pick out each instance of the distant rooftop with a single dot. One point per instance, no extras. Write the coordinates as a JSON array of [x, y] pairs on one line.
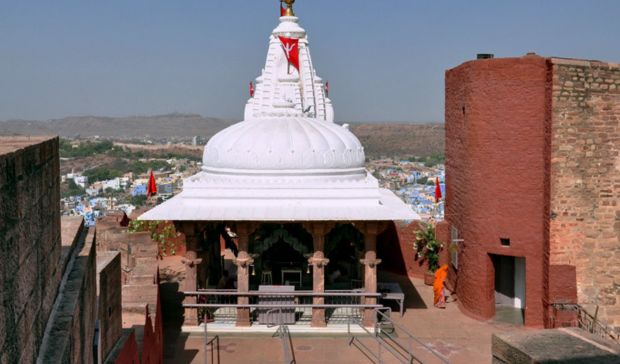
[[10, 144]]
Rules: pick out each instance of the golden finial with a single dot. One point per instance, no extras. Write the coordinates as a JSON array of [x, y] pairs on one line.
[[289, 9]]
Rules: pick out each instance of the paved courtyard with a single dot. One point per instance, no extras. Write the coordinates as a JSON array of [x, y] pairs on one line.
[[458, 337]]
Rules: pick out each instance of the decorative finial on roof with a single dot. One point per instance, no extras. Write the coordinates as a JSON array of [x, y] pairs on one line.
[[289, 9]]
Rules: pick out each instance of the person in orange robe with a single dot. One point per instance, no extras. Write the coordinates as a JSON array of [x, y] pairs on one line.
[[438, 286]]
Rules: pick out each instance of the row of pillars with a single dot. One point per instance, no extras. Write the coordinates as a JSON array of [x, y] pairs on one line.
[[319, 231]]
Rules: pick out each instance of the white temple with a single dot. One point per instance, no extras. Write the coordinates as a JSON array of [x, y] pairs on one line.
[[288, 160], [288, 181]]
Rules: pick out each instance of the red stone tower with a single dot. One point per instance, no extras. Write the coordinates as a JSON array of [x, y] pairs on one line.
[[531, 159]]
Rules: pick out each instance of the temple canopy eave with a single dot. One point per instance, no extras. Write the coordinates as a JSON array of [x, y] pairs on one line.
[[387, 207]]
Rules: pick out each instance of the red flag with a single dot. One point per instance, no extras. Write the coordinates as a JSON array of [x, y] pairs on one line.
[[437, 190], [327, 88], [291, 50], [282, 8], [151, 187], [251, 89]]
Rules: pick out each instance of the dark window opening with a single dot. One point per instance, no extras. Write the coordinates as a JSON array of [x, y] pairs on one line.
[[504, 241]]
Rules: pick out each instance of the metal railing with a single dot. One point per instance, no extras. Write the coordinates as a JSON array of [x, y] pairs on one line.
[[340, 306], [288, 353], [214, 344], [384, 336], [587, 322], [383, 332]]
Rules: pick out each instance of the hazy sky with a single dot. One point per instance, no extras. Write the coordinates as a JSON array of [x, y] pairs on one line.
[[385, 60]]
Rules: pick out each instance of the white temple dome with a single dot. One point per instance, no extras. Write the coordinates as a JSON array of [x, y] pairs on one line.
[[298, 145], [288, 160]]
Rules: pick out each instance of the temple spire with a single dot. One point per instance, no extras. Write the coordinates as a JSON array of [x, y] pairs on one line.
[[289, 9]]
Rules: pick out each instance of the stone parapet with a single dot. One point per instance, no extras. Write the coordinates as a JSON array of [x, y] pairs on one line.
[[30, 243], [70, 330]]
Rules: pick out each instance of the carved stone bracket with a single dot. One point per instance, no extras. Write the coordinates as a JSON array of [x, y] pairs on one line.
[[372, 227], [318, 262], [243, 262], [319, 228], [372, 263], [191, 262]]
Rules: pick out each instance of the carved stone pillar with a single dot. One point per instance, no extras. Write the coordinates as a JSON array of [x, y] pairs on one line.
[[318, 263], [243, 262], [191, 262], [370, 262]]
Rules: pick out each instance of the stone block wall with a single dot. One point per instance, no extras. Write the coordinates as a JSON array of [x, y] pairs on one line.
[[111, 236], [585, 180], [109, 302], [30, 247]]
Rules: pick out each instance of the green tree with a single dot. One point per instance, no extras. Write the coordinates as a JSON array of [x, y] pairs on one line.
[[101, 174], [139, 200], [74, 189], [84, 149]]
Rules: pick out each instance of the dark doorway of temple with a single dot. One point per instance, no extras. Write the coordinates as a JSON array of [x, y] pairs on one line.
[[287, 266], [509, 273], [281, 252], [343, 247]]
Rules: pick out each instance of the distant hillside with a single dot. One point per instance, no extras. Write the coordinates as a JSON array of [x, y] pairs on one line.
[[385, 139], [132, 127], [379, 139]]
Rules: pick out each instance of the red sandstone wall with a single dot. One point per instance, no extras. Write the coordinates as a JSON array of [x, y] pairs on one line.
[[152, 349], [585, 180], [495, 133], [129, 352], [396, 250]]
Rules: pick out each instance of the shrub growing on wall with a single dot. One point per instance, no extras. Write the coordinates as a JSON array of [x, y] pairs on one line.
[[162, 232], [427, 246]]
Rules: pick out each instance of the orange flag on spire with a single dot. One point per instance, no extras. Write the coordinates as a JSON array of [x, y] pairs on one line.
[[282, 8], [291, 50], [151, 188]]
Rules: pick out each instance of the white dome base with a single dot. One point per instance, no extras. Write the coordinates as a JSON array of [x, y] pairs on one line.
[[297, 145]]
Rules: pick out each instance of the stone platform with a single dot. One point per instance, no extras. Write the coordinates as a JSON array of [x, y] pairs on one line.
[[566, 345]]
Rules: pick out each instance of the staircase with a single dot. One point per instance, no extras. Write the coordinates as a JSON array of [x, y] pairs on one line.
[[393, 343]]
